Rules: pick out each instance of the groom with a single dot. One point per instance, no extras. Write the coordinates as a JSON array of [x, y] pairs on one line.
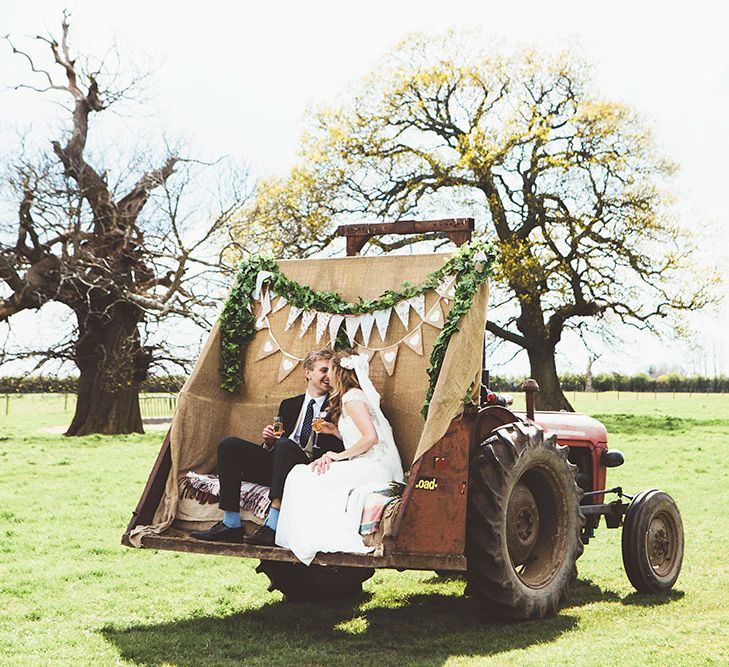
[[270, 463]]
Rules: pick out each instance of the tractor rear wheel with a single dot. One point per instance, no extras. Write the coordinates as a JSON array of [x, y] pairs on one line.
[[652, 542], [523, 524], [302, 583]]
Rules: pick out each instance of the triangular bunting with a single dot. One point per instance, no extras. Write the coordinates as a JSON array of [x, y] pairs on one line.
[[366, 322], [402, 308], [286, 366], [435, 316], [414, 340], [351, 324], [294, 312], [382, 319], [262, 323], [280, 304], [269, 347], [417, 303], [306, 319], [389, 357], [322, 322], [334, 325], [445, 284], [366, 352]]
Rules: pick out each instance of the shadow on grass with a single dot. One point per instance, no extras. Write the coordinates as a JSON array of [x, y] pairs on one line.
[[584, 592], [652, 599], [416, 630]]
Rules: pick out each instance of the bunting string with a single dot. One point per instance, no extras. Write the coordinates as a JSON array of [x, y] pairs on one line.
[[356, 343], [457, 282], [388, 353]]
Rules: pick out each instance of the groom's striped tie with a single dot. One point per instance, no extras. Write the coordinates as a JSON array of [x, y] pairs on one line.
[[306, 426]]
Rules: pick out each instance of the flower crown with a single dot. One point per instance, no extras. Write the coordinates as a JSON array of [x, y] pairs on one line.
[[350, 362]]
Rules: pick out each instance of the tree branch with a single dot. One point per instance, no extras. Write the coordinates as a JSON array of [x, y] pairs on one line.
[[505, 334]]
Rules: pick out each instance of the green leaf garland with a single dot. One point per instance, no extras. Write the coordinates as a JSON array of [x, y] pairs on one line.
[[472, 263]]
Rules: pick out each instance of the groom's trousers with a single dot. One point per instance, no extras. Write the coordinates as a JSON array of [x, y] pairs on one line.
[[240, 460]]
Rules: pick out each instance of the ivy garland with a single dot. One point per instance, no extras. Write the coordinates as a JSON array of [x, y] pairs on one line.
[[472, 263]]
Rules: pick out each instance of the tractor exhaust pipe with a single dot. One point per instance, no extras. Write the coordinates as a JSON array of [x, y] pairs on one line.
[[530, 388]]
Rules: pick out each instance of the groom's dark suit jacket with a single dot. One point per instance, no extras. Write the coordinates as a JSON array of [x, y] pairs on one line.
[[243, 460], [289, 412]]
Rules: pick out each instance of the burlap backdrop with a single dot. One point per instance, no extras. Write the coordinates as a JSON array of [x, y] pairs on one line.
[[206, 413]]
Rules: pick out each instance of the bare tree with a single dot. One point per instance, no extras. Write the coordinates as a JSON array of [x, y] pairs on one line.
[[121, 254]]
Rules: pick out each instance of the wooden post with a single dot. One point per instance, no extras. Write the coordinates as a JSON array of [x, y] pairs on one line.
[[7, 404]]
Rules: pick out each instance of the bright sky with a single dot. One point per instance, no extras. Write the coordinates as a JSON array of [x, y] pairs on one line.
[[236, 78]]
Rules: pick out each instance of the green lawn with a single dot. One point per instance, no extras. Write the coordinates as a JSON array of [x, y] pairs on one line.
[[71, 595]]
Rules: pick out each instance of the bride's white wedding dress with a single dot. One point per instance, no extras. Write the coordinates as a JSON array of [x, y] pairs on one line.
[[323, 512]]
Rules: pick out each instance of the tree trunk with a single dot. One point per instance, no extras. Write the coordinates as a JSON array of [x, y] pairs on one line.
[[588, 375], [544, 371], [112, 365]]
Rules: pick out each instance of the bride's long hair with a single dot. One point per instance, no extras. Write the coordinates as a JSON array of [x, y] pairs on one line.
[[341, 381]]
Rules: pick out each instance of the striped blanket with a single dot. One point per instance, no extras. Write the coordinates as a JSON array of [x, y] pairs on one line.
[[205, 489]]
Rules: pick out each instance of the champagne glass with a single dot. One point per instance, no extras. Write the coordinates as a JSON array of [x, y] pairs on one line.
[[317, 425], [278, 426]]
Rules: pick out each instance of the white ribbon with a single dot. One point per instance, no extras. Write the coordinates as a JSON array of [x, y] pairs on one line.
[[262, 275]]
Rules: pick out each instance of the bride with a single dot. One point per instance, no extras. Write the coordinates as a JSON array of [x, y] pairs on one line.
[[322, 502]]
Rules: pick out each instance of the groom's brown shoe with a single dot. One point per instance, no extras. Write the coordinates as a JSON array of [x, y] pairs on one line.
[[265, 536]]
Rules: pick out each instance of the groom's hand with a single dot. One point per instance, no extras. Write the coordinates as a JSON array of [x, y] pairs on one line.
[[269, 436]]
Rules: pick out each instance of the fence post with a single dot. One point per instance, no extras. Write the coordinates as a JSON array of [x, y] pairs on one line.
[[7, 404]]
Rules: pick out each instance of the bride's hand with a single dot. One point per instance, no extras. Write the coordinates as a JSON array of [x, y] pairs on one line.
[[329, 429], [321, 465]]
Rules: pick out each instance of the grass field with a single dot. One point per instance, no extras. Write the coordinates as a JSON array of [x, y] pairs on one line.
[[71, 595]]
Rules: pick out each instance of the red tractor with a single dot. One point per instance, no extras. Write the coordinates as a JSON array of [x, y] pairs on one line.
[[508, 499], [537, 486]]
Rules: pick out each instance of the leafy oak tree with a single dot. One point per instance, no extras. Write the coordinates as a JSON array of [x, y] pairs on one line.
[[570, 186], [120, 250]]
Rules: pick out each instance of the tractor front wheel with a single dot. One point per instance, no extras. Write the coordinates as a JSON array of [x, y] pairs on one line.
[[652, 542], [523, 524]]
